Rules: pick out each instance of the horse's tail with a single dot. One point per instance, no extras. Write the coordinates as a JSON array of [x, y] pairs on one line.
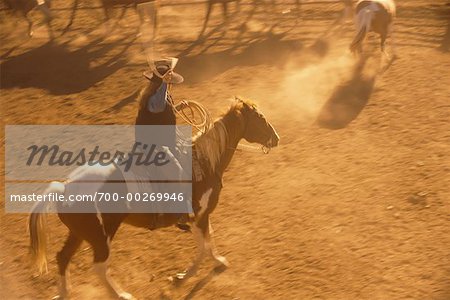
[[364, 19], [37, 228]]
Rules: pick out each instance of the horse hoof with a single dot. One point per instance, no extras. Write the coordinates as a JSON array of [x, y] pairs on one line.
[[222, 262], [178, 279], [126, 296], [181, 275]]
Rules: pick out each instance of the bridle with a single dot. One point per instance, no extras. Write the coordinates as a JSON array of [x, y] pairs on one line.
[[264, 149], [240, 146]]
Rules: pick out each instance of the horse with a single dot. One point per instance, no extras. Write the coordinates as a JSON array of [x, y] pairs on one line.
[[348, 7], [214, 148], [210, 4], [376, 16], [108, 5], [24, 7]]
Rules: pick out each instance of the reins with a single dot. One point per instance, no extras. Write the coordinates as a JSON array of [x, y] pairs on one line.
[[241, 147]]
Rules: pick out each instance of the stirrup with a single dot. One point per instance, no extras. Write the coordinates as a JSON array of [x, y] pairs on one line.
[[184, 227]]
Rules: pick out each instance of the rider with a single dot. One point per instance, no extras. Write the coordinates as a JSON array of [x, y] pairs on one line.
[[156, 107]]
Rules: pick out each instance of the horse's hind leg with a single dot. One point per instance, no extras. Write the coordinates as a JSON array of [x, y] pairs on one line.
[[100, 242], [44, 8], [383, 36], [103, 273], [101, 254], [208, 14], [72, 16], [238, 6], [383, 43], [225, 10], [122, 13], [106, 7], [63, 258], [30, 25]]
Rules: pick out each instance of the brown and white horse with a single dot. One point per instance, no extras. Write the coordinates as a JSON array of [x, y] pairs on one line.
[[376, 16], [214, 149], [24, 7]]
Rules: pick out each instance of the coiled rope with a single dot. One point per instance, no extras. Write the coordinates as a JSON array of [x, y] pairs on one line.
[[196, 116]]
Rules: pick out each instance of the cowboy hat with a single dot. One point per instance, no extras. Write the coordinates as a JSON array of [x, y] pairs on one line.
[[164, 69]]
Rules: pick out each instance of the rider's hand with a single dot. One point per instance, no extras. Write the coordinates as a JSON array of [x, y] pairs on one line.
[[182, 105]]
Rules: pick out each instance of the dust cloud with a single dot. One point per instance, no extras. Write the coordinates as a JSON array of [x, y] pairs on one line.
[[331, 90], [307, 89]]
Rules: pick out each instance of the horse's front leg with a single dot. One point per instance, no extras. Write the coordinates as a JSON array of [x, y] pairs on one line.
[[392, 40], [201, 230], [205, 244], [221, 261], [205, 224], [390, 57], [200, 239]]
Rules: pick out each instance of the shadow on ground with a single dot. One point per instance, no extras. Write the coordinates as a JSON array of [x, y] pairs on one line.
[[59, 70], [347, 100], [204, 66]]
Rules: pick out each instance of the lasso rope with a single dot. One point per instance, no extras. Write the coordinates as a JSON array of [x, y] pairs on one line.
[[196, 109], [193, 106]]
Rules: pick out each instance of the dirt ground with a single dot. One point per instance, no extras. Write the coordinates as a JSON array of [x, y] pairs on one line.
[[354, 203]]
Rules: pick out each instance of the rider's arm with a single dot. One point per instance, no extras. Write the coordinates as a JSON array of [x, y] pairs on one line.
[[145, 93], [157, 102]]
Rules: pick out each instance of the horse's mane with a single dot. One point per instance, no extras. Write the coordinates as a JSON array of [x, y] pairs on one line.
[[237, 105], [211, 144]]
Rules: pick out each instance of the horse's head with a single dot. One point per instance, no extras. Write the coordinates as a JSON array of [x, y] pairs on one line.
[[256, 127]]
